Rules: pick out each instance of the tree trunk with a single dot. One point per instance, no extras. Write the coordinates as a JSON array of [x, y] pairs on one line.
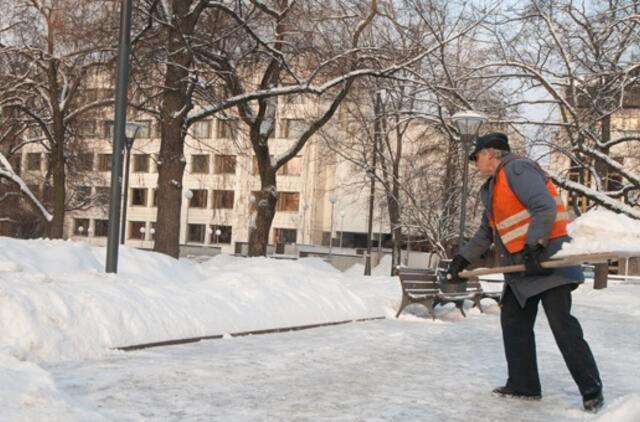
[[170, 172], [57, 158], [265, 203], [176, 104], [59, 191]]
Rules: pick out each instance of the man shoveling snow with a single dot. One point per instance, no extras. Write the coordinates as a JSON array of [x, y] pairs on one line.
[[527, 222]]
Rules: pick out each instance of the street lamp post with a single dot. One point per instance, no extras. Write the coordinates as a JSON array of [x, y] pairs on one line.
[[188, 194], [131, 130], [380, 231], [371, 172], [341, 227], [218, 232], [305, 207], [333, 198], [468, 124], [252, 203], [124, 47]]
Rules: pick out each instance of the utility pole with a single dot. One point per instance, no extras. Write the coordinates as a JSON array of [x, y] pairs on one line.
[[372, 174], [120, 119]]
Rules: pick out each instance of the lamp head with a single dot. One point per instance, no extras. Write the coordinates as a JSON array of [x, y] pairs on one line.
[[468, 122]]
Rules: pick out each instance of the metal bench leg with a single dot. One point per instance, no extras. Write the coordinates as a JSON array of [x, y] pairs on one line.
[[430, 304], [404, 303], [460, 305], [476, 302]]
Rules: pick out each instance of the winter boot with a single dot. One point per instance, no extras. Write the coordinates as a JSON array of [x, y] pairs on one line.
[[593, 402], [507, 391]]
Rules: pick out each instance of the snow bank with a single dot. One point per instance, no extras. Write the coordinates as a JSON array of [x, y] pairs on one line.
[[56, 303], [28, 393], [601, 230], [623, 409]]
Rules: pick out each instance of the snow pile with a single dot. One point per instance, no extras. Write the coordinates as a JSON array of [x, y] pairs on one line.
[[623, 409], [28, 393], [602, 231], [56, 303]]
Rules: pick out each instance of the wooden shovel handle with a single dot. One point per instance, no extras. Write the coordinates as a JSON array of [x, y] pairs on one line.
[[567, 261]]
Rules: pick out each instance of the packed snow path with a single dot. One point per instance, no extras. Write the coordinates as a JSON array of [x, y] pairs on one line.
[[390, 370]]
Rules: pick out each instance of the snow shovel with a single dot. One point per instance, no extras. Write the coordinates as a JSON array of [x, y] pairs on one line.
[[599, 259]]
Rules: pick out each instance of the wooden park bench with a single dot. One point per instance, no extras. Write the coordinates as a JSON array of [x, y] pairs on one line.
[[421, 286]]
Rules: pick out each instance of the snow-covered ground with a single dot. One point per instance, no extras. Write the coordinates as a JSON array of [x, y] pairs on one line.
[[61, 316]]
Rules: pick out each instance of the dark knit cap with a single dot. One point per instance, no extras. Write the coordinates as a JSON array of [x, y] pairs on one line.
[[495, 140]]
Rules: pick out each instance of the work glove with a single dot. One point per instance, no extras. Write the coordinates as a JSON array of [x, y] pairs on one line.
[[457, 264], [532, 256]]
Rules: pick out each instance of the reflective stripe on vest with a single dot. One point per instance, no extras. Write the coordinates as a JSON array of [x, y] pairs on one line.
[[511, 219]]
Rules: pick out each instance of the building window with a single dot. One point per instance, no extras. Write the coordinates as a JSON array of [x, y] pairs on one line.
[[224, 237], [16, 163], [47, 194], [581, 175], [200, 163], [195, 233], [81, 226], [157, 129], [202, 129], [224, 129], [103, 195], [81, 195], [225, 164], [223, 199], [293, 99], [145, 129], [108, 129], [199, 198], [134, 229], [101, 228], [288, 201], [613, 180], [35, 189], [90, 95], [292, 128], [87, 128], [141, 163], [35, 132], [153, 164], [34, 160], [284, 235], [139, 197], [292, 167], [104, 162], [85, 161]]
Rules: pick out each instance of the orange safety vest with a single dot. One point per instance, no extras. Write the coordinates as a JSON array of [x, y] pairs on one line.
[[511, 218]]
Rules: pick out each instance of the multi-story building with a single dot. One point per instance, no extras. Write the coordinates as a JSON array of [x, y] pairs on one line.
[[220, 176], [321, 194], [623, 124]]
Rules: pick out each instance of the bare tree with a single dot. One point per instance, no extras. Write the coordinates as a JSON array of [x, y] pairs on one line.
[[584, 59], [50, 51]]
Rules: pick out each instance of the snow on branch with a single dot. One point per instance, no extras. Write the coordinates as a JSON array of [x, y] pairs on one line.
[[599, 198], [7, 172], [633, 178]]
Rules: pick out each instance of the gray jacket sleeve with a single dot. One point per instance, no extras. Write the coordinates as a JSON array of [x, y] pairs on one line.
[[528, 182], [480, 242]]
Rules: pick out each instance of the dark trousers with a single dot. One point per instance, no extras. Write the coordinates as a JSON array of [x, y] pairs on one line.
[[520, 346]]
